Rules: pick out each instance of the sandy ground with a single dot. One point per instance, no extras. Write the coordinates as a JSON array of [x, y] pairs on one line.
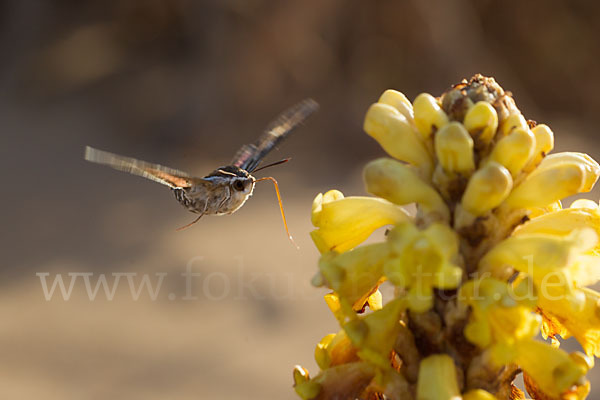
[[254, 317]]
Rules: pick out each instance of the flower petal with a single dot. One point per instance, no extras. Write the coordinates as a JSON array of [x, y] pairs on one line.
[[344, 223]]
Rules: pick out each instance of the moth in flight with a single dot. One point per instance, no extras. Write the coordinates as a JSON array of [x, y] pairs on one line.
[[227, 188]]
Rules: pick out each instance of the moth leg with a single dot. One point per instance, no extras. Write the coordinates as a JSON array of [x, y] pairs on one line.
[[225, 199], [194, 221]]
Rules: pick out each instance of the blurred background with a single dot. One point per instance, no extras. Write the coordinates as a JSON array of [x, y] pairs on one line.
[[186, 83]]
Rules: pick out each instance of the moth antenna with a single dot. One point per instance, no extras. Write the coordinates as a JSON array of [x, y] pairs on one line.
[[270, 178], [272, 164], [190, 224]]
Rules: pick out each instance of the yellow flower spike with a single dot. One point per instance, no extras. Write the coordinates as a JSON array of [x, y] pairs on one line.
[[344, 223], [537, 254], [377, 331], [398, 183], [429, 116], [583, 324], [399, 101], [454, 148], [355, 274], [552, 369], [544, 143], [513, 121], [482, 122], [437, 379], [398, 138], [476, 286], [478, 394], [514, 150], [487, 188]]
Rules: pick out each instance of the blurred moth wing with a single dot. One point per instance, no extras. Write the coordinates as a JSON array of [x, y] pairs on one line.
[[249, 156], [158, 173]]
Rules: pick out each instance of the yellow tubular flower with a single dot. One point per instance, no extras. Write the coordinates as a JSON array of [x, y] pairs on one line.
[[514, 121], [345, 222], [400, 102], [375, 334], [583, 323], [429, 116], [437, 379], [497, 316], [454, 148], [487, 188], [562, 222], [400, 184], [544, 143], [514, 150], [576, 392], [422, 262], [589, 165], [354, 275], [481, 121], [537, 254], [557, 177], [335, 349], [397, 137], [322, 356], [552, 369]]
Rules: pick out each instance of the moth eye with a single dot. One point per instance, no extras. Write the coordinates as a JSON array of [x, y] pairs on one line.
[[238, 185]]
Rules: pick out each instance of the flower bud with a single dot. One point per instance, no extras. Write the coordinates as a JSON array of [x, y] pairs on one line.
[[487, 188], [397, 137], [429, 116], [400, 184], [400, 102], [544, 143], [454, 148], [482, 122], [515, 150], [513, 121]]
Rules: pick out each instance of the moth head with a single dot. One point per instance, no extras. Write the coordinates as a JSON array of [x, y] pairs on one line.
[[242, 185]]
